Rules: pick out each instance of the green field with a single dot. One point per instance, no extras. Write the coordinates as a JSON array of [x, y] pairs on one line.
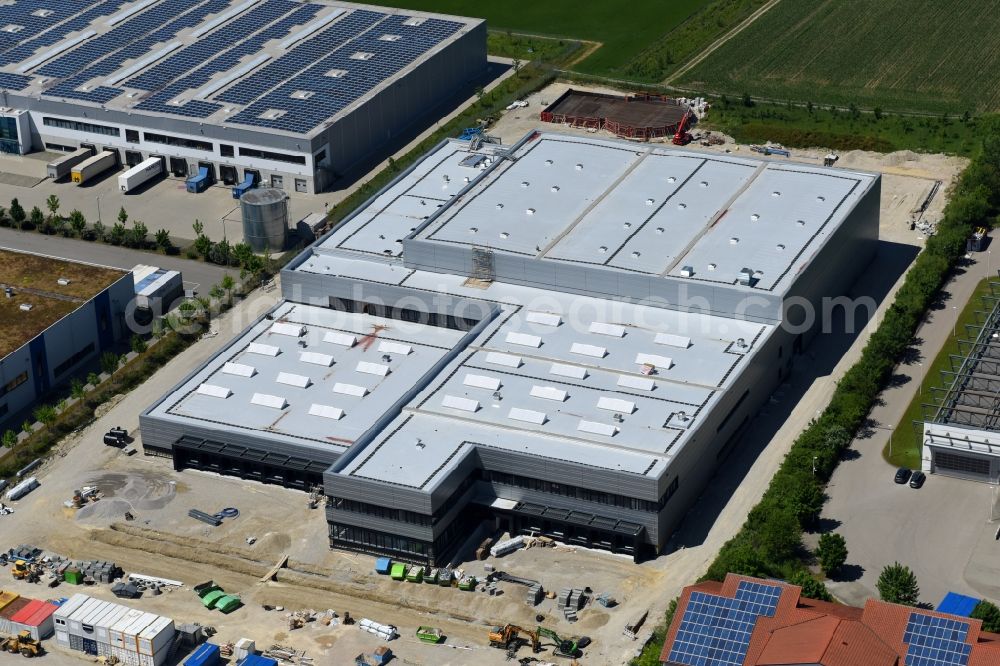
[[624, 29], [938, 56]]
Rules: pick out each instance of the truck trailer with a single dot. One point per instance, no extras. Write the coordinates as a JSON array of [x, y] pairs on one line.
[[140, 173], [60, 168], [94, 166]]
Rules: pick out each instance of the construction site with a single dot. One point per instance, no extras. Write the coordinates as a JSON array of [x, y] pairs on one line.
[[246, 563], [639, 116]]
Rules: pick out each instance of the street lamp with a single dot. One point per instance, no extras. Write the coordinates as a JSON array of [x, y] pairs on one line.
[[920, 386], [815, 458], [954, 322], [98, 198]]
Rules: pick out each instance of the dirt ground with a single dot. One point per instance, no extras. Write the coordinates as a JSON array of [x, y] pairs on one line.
[[163, 541]]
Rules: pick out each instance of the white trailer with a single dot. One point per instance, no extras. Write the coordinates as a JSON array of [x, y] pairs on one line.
[[60, 168], [94, 166], [140, 173]]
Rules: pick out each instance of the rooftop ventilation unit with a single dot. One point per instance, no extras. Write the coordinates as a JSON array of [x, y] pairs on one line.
[[544, 318], [239, 370], [338, 338], [638, 383], [291, 379], [506, 360], [681, 341], [264, 350], [588, 350], [463, 404], [336, 73], [549, 393], [523, 339], [612, 330], [350, 389], [687, 271], [372, 368], [213, 391], [482, 381], [659, 362], [746, 277], [593, 427], [394, 348], [315, 358], [573, 371], [615, 405], [527, 415], [326, 411], [362, 55], [291, 330], [267, 400]]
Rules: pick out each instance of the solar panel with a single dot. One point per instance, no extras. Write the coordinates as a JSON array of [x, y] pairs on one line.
[[716, 631], [936, 641]]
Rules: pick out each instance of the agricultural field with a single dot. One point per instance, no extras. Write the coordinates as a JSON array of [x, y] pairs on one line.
[[623, 31], [935, 56]]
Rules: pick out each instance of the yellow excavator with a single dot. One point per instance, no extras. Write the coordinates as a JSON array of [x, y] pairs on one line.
[[509, 635], [23, 643]]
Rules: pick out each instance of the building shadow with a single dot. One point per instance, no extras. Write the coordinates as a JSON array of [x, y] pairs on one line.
[[818, 360]]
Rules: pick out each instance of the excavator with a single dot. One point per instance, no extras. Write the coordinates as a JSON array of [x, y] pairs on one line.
[[683, 137], [508, 637], [23, 643]]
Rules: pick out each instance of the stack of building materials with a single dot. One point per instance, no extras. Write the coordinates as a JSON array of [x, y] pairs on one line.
[[22, 489], [101, 571], [244, 648], [509, 546], [571, 601], [106, 629], [386, 632]]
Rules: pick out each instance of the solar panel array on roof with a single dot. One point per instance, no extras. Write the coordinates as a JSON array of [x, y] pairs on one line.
[[715, 630], [82, 14], [194, 65], [23, 20], [333, 94], [128, 40], [936, 641]]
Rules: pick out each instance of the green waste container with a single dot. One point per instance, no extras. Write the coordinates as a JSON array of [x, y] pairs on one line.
[[398, 571], [73, 576]]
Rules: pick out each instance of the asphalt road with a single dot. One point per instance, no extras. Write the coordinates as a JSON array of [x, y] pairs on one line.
[[197, 275]]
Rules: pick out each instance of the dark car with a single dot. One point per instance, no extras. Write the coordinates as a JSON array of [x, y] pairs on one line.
[[917, 479], [903, 475]]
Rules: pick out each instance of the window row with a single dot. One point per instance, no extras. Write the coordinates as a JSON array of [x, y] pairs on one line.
[[74, 359], [399, 515], [585, 494], [14, 383], [77, 126]]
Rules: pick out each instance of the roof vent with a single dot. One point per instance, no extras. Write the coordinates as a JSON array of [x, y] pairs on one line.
[[820, 198], [627, 225], [390, 38], [682, 206], [776, 193], [524, 183], [63, 281], [635, 255], [704, 183], [414, 21], [554, 188], [649, 202], [746, 277], [10, 27], [734, 240], [362, 55], [530, 211], [302, 94], [800, 223], [603, 249], [579, 167], [272, 114], [548, 162], [337, 73], [659, 230], [499, 206], [711, 267], [779, 247], [671, 179], [25, 307], [754, 217], [741, 343], [687, 271], [504, 235], [473, 230], [420, 443]]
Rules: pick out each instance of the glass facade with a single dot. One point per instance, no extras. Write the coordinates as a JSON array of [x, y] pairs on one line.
[[9, 140]]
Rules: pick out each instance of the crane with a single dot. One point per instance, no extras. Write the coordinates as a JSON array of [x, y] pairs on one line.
[[683, 137]]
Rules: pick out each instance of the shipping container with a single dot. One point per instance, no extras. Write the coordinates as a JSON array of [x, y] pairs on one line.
[[61, 167], [207, 654], [132, 631], [92, 167], [140, 173], [157, 635], [103, 628], [200, 182], [62, 615]]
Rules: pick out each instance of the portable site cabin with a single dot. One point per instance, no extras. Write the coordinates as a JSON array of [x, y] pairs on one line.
[[8, 612], [35, 618], [106, 629]]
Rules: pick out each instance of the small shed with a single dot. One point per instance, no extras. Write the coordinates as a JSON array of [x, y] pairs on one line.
[[957, 604]]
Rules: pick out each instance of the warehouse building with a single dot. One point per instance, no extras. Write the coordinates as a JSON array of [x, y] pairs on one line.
[[56, 316], [281, 92], [746, 621], [106, 629], [961, 427], [563, 337]]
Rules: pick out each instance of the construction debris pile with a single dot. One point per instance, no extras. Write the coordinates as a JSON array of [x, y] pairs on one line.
[[299, 619], [288, 655]]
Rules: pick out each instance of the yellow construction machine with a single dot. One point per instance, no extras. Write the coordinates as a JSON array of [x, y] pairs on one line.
[[20, 570], [508, 637], [23, 643]]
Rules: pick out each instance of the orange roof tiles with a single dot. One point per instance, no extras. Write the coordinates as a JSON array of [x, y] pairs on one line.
[[806, 631]]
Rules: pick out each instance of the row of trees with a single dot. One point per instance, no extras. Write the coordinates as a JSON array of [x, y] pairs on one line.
[[225, 254], [135, 235]]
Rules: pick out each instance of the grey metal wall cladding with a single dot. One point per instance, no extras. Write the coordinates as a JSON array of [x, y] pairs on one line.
[[162, 432], [376, 492], [398, 528]]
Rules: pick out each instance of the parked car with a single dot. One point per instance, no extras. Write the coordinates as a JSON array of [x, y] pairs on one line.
[[903, 475], [917, 480]]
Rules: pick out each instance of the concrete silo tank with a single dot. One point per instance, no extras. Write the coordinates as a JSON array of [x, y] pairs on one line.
[[265, 218]]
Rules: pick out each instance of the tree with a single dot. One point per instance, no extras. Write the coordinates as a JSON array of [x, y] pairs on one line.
[[109, 362], [122, 216], [811, 588], [221, 253], [228, 283], [897, 584], [516, 64], [118, 234], [9, 439], [203, 246], [162, 240], [137, 234], [216, 292], [878, 113], [138, 344], [52, 203], [198, 227], [989, 614], [26, 427], [93, 379], [17, 213], [99, 230], [747, 100], [243, 254], [832, 552], [45, 414], [77, 222], [37, 218]]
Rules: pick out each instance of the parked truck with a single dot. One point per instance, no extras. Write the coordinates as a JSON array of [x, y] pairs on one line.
[[140, 174], [60, 168], [94, 166]]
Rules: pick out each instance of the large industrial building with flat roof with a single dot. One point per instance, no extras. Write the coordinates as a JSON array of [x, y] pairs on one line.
[[55, 317], [293, 92], [563, 337]]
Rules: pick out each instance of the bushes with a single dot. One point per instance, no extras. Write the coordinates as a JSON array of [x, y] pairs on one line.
[[832, 552], [989, 614], [898, 585]]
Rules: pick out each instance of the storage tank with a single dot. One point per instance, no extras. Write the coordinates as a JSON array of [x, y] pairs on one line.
[[265, 218]]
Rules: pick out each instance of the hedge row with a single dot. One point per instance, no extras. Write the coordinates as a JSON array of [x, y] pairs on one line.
[[770, 542]]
